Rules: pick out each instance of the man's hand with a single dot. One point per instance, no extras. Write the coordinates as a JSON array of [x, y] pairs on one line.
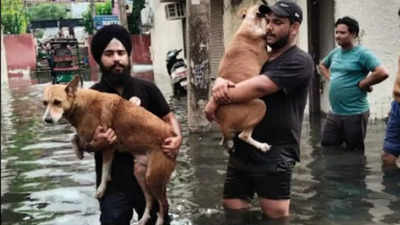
[[102, 138], [220, 90], [171, 146], [210, 109], [366, 88]]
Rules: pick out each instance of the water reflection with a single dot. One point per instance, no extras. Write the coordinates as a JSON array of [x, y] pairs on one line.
[[44, 183]]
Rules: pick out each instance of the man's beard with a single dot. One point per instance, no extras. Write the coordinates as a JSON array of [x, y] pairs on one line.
[[114, 78], [280, 43]]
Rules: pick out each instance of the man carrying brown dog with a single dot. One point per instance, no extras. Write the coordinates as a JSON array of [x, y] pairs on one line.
[[283, 86], [111, 48]]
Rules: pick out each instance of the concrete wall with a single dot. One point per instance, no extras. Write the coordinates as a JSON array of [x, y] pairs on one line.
[[380, 32], [327, 43], [165, 35], [20, 45]]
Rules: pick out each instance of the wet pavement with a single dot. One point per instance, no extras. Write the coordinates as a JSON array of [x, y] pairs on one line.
[[43, 183]]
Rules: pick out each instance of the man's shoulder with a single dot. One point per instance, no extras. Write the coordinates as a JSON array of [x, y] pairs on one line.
[[302, 54], [297, 56]]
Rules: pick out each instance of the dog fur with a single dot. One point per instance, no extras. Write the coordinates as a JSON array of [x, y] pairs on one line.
[[243, 59], [138, 131]]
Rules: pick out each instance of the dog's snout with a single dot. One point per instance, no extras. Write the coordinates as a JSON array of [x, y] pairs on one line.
[[48, 120]]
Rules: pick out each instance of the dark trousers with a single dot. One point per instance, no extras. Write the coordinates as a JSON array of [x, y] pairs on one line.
[[345, 129], [117, 209]]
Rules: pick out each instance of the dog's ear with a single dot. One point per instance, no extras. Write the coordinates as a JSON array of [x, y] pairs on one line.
[[262, 10], [242, 13], [72, 86]]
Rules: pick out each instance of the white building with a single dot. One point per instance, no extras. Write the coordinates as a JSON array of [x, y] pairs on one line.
[[165, 35]]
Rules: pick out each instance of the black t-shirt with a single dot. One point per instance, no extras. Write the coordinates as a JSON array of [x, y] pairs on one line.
[[281, 126], [151, 98]]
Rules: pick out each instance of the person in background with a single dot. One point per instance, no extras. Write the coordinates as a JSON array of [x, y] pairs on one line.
[[391, 144], [352, 71]]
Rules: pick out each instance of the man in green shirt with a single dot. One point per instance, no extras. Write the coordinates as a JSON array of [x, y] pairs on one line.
[[352, 71]]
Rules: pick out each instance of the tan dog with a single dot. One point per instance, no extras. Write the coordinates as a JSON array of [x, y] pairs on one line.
[[242, 60], [138, 131]]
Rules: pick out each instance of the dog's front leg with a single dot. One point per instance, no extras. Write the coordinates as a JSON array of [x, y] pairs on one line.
[[245, 135], [75, 141], [108, 156], [140, 173]]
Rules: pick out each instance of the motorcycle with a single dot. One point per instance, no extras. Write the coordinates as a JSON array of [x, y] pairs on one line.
[[177, 71]]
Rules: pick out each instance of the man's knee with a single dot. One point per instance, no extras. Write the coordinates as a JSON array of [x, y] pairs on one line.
[[235, 204], [275, 209], [389, 160]]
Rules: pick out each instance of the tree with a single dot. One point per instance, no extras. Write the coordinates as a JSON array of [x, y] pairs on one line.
[[101, 9], [134, 18], [48, 11], [14, 16]]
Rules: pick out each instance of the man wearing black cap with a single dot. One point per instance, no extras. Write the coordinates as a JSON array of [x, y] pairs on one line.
[[283, 85], [111, 48]]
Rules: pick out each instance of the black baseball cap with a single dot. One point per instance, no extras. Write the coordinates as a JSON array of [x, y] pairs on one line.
[[286, 8]]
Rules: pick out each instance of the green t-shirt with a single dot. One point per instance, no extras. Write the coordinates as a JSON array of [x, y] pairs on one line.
[[347, 68]]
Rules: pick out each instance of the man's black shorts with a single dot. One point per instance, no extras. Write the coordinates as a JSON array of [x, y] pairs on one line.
[[243, 184]]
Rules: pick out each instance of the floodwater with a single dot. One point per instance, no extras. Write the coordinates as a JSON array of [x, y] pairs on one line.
[[43, 183]]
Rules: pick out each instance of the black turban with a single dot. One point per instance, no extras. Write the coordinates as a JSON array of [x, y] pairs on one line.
[[103, 37]]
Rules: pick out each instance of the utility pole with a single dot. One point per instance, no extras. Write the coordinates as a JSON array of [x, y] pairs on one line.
[[93, 12], [122, 13], [197, 42]]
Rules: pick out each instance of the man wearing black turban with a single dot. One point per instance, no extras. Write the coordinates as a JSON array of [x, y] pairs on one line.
[[111, 48]]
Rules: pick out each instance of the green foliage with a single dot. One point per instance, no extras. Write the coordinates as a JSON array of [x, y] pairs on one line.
[[101, 9], [134, 18], [38, 33], [48, 11], [13, 16]]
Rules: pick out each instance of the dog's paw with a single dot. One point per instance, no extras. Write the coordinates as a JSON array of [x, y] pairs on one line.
[[79, 154], [264, 147], [144, 219], [100, 192]]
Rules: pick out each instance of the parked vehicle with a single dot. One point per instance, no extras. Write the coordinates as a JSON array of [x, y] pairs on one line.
[[64, 59], [177, 71]]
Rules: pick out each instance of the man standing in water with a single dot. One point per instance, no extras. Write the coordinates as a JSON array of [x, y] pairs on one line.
[[347, 67], [283, 86], [111, 48]]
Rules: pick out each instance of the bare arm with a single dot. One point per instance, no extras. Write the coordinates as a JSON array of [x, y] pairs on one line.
[[324, 71], [226, 92], [246, 90], [171, 144], [378, 75], [396, 89]]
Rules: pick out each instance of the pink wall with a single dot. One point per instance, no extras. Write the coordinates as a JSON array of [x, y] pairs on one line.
[[20, 51], [141, 49]]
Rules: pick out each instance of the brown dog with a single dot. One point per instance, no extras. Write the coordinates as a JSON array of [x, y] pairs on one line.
[[138, 131], [242, 60]]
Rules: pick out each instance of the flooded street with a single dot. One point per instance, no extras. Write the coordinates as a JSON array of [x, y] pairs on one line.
[[43, 183]]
